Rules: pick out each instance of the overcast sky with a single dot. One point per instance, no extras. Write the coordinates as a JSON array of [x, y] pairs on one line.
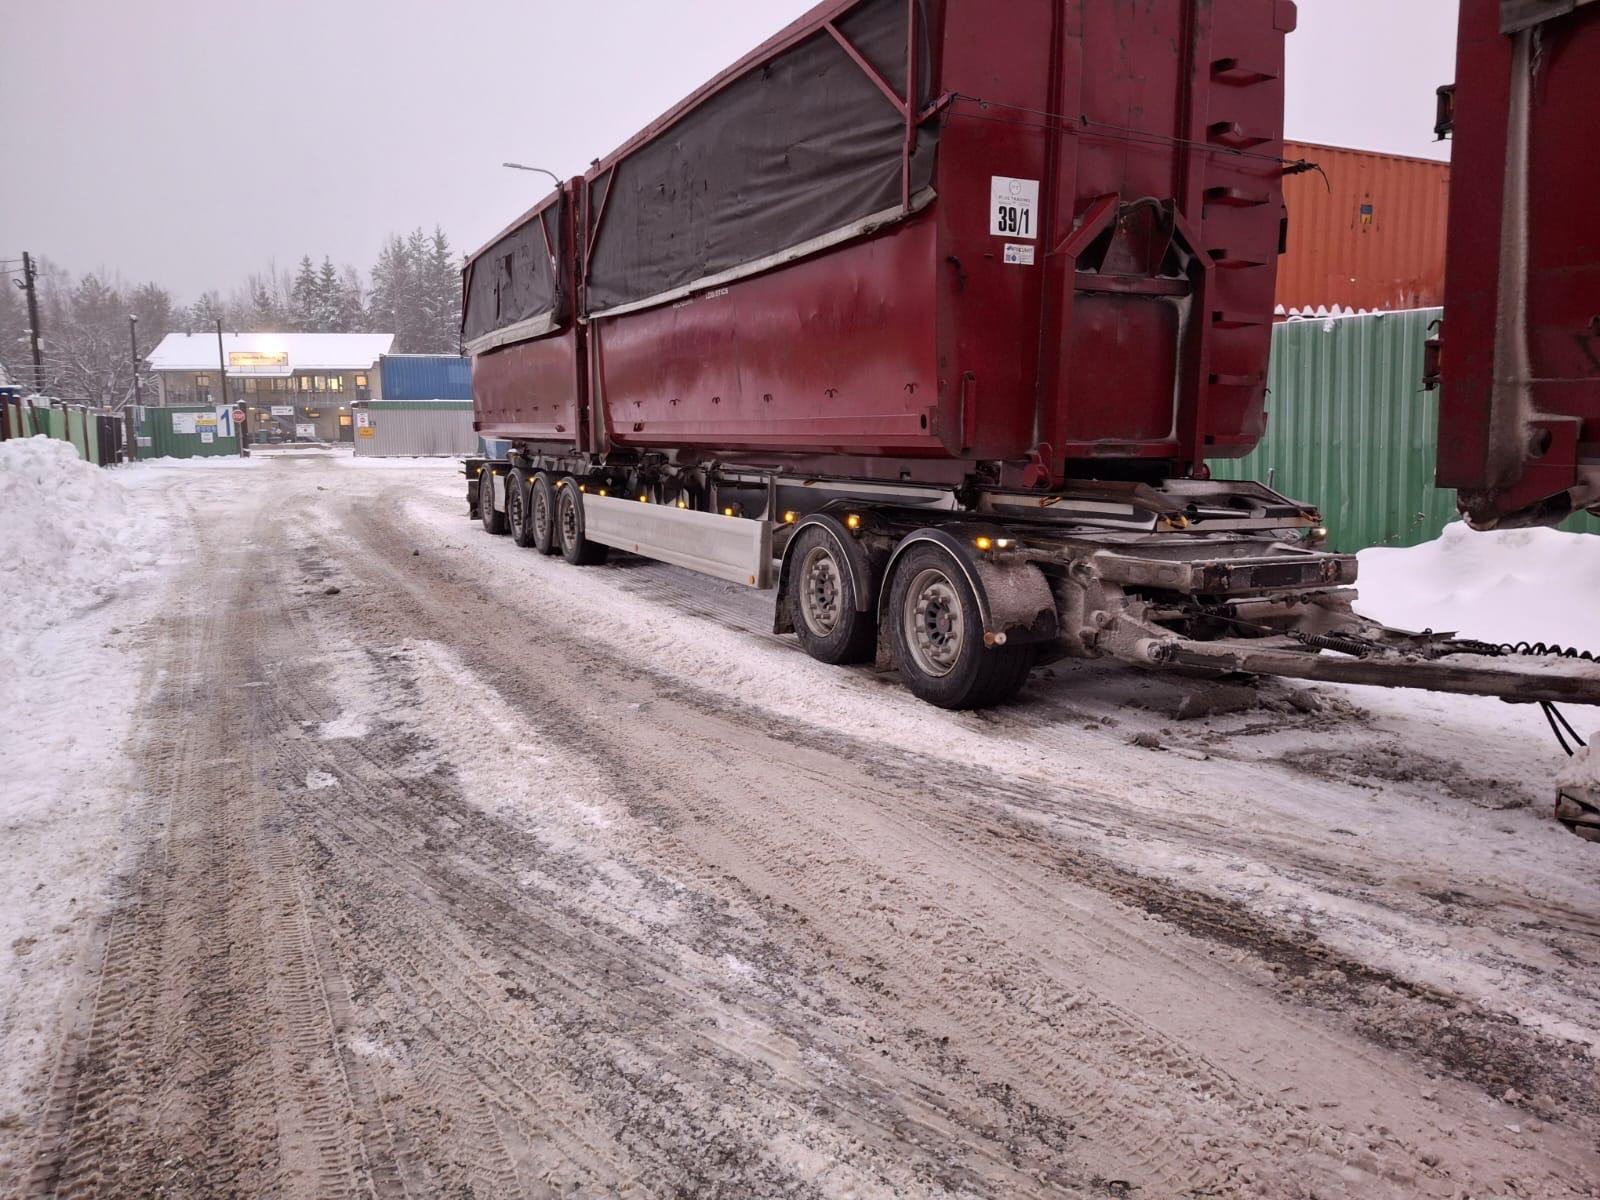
[[192, 141]]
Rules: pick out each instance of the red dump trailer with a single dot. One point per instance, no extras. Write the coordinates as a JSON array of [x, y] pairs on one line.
[[928, 313], [1519, 416]]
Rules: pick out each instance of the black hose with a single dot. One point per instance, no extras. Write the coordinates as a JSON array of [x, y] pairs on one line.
[[1538, 649]]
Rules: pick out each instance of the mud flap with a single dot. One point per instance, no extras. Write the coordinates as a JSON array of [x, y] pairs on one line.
[[1013, 595], [1578, 808]]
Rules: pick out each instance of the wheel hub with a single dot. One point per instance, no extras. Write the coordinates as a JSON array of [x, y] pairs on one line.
[[820, 591], [936, 632]]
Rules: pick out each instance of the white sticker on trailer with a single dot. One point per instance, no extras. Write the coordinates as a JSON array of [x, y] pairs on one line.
[[1013, 207], [1019, 255]]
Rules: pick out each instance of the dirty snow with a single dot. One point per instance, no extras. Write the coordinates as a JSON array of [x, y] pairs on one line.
[[80, 563]]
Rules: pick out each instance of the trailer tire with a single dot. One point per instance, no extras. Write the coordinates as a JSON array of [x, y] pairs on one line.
[[936, 632], [575, 548], [823, 605], [494, 521], [518, 523], [542, 513]]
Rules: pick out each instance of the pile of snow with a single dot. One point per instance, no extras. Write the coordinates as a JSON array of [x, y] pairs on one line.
[[1519, 585], [1515, 585], [71, 537]]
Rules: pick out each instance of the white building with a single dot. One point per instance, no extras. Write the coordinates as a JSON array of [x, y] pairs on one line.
[[291, 385]]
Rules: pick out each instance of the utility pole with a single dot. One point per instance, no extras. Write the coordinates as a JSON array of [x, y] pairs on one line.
[[133, 345], [29, 274], [130, 416]]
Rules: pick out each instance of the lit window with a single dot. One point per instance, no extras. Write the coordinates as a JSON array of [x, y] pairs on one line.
[[305, 383], [361, 381], [202, 380], [336, 383], [249, 385], [321, 382]]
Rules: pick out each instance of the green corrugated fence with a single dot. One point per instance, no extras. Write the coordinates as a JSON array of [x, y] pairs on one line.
[[96, 434], [1350, 429], [174, 433]]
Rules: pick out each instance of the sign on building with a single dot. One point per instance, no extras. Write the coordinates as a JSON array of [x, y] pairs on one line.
[[283, 410], [305, 429], [258, 359]]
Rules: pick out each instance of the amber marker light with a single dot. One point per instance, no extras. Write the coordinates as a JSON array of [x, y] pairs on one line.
[[790, 517], [984, 543], [852, 522]]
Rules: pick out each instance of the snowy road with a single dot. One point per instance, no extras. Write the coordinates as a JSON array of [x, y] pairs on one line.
[[486, 875]]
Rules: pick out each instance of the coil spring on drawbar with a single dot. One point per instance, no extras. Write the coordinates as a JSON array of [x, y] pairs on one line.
[[1542, 649], [1354, 647]]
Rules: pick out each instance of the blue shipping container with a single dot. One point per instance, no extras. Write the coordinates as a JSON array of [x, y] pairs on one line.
[[424, 377]]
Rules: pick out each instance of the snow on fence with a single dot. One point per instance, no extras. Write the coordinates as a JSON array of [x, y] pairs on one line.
[[98, 435]]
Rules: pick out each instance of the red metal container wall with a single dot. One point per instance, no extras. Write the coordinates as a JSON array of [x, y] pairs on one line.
[[534, 389], [1366, 232], [1519, 417], [923, 342]]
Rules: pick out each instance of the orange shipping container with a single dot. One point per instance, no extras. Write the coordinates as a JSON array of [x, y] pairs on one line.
[[1369, 236]]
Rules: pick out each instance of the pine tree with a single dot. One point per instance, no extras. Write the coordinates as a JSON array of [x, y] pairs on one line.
[[303, 298], [352, 305], [205, 312], [442, 296], [325, 299]]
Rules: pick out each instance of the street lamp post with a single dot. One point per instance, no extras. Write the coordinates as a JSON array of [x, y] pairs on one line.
[[520, 167]]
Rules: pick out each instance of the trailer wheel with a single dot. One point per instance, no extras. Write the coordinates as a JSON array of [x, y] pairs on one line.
[[542, 513], [494, 521], [575, 548], [936, 630], [517, 516], [822, 603]]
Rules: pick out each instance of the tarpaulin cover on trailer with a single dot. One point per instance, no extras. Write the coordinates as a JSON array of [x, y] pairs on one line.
[[801, 146], [513, 281]]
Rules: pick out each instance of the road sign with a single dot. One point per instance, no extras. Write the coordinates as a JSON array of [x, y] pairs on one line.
[[238, 416]]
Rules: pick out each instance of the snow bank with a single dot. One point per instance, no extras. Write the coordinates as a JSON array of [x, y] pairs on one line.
[[1520, 585], [70, 535], [1515, 585]]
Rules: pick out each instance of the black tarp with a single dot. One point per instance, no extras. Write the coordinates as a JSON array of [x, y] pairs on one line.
[[801, 146], [513, 280]]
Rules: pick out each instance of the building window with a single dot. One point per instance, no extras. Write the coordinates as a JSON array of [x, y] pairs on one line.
[[305, 383], [281, 385], [361, 381], [250, 385], [336, 383], [202, 381], [320, 382]]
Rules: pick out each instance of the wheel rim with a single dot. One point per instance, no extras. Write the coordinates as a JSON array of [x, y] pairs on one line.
[[541, 514], [486, 496], [821, 592], [514, 506], [934, 626], [569, 519]]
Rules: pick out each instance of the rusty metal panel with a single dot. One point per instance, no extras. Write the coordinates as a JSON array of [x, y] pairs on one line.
[[1366, 231], [1350, 430], [1520, 435]]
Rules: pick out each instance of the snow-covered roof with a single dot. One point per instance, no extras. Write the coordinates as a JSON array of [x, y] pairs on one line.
[[270, 353]]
